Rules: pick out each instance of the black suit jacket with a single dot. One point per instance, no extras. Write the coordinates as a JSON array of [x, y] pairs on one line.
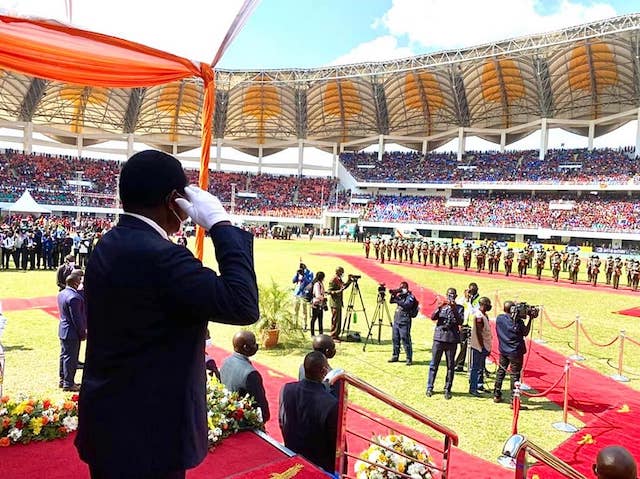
[[309, 421], [142, 405], [238, 374]]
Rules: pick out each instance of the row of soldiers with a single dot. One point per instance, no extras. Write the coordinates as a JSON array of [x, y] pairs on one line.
[[406, 250], [488, 255]]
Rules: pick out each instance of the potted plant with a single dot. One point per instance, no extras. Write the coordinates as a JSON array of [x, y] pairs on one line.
[[275, 314]]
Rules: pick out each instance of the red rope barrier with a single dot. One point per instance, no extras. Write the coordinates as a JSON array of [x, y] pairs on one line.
[[546, 391], [555, 325], [597, 344], [627, 338]]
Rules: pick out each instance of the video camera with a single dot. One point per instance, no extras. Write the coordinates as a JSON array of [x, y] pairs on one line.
[[522, 310], [382, 289], [354, 277]]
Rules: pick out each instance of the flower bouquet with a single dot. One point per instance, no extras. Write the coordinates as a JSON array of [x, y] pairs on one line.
[[392, 459], [229, 412], [32, 419]]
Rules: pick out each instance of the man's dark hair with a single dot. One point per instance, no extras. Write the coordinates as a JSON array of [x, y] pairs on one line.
[[314, 364], [148, 177]]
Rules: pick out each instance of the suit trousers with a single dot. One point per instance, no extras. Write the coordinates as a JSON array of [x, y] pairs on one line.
[[69, 351], [101, 474], [449, 350], [401, 332], [336, 322], [515, 362]]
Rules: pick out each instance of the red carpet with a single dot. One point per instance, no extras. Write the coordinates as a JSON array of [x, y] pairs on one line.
[[15, 304], [59, 460], [630, 312], [610, 410]]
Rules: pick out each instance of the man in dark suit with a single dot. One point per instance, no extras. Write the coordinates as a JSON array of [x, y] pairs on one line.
[[142, 411], [238, 374], [71, 330], [65, 270], [309, 414]]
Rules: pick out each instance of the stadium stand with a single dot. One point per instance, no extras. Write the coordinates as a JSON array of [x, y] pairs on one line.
[[572, 166]]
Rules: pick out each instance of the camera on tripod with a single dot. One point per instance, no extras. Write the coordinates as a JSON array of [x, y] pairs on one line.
[[522, 310], [382, 289], [354, 277]]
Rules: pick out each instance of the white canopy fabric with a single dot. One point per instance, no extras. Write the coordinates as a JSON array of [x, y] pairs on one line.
[[26, 204]]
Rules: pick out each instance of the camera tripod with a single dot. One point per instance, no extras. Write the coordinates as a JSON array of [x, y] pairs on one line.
[[382, 308], [351, 309]]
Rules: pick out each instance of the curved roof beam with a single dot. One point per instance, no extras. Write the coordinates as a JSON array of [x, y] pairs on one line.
[[426, 111], [133, 110], [302, 120], [543, 84], [592, 78], [32, 99], [220, 113], [460, 97], [382, 112], [504, 100]]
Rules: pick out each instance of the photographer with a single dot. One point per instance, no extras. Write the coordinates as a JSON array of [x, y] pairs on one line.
[[336, 288], [512, 331], [402, 321], [471, 303], [449, 317], [301, 279]]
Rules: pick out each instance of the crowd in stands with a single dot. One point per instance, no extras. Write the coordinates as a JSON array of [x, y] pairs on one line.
[[47, 178], [605, 165], [609, 215]]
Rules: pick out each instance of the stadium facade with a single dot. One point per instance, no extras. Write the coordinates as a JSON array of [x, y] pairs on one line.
[[583, 79]]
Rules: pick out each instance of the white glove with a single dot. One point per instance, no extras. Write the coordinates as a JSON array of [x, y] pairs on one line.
[[203, 208]]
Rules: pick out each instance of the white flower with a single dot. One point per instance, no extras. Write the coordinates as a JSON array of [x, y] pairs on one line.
[[217, 431], [15, 434], [70, 422], [3, 411]]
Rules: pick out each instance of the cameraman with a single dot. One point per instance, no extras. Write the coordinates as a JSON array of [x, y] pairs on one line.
[[402, 321], [449, 316], [336, 287], [511, 331]]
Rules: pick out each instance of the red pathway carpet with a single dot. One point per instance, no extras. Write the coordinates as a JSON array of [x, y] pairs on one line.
[[630, 312], [609, 409]]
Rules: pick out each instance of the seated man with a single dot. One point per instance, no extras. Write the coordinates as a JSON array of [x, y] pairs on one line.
[[238, 374], [615, 462], [309, 414]]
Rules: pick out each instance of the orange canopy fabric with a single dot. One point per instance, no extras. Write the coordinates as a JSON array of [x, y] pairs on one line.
[[54, 51]]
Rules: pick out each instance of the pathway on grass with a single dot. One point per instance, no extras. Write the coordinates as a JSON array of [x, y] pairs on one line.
[[610, 410]]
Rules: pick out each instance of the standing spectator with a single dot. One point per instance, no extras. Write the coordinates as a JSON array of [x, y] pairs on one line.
[[72, 329], [239, 375], [308, 414], [480, 342], [336, 300], [318, 303], [64, 271], [8, 245], [449, 318]]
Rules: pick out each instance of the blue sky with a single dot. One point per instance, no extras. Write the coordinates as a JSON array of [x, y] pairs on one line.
[[308, 33]]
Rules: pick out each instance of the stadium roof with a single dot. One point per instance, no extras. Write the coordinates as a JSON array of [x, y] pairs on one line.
[[504, 89]]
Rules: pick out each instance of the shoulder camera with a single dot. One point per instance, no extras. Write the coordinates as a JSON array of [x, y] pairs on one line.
[[355, 277], [522, 310]]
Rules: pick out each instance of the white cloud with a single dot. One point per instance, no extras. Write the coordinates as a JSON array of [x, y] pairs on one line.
[[190, 28], [382, 48], [444, 24]]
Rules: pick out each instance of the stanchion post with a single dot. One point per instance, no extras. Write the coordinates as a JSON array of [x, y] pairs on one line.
[[576, 355], [540, 339], [516, 407], [619, 376], [564, 426]]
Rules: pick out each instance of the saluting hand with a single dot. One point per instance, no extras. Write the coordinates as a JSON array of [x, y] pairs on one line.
[[204, 208]]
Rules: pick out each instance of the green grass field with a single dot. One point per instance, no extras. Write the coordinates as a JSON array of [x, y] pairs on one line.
[[32, 346]]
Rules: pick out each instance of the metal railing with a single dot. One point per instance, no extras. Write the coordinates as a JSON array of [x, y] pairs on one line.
[[340, 380], [514, 455]]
